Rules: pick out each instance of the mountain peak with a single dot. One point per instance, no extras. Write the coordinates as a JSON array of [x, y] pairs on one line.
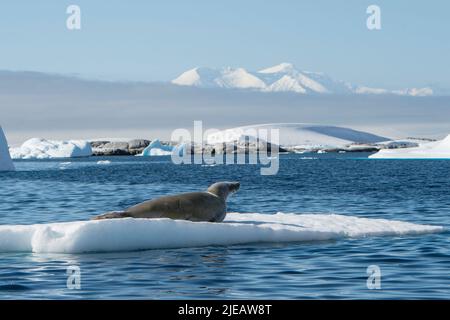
[[282, 67], [188, 78]]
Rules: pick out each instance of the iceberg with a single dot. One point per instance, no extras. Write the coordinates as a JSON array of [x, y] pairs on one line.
[[156, 148], [38, 148], [130, 234], [307, 136], [430, 150], [6, 163]]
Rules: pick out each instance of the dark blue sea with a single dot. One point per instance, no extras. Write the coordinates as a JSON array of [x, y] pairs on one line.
[[418, 191]]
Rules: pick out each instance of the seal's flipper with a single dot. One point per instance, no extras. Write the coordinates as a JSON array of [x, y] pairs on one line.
[[112, 215]]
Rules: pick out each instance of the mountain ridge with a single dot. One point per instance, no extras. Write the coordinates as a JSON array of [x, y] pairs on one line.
[[284, 77]]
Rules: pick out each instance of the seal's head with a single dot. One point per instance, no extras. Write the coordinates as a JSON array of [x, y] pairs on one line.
[[224, 189]]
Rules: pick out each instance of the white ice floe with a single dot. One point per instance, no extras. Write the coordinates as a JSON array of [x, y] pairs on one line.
[[6, 163], [104, 162], [430, 150], [38, 148], [139, 234]]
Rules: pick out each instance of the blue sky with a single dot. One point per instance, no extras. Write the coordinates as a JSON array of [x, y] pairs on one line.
[[156, 40]]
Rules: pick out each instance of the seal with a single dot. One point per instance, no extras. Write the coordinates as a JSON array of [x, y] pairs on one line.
[[209, 205]]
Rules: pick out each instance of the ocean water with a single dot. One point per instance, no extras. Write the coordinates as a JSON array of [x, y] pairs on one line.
[[349, 184]]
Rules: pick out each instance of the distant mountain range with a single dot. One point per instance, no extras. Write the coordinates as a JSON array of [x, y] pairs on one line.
[[282, 78]]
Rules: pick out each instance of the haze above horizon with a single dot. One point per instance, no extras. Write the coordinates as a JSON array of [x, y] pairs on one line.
[[156, 41]]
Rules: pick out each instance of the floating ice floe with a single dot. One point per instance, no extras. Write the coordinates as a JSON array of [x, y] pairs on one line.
[[430, 150], [104, 162], [140, 234], [6, 163], [38, 148]]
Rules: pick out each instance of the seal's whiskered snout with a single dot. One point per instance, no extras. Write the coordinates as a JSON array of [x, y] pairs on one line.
[[234, 187]]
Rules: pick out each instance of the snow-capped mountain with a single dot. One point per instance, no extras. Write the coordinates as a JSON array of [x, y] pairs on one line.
[[281, 78], [237, 78]]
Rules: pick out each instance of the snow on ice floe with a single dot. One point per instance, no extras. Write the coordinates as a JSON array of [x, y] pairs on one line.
[[430, 150], [38, 148], [140, 234], [6, 163]]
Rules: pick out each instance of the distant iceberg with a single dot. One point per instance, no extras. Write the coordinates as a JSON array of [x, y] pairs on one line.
[[38, 148], [156, 148], [139, 234], [430, 150], [6, 163], [307, 136]]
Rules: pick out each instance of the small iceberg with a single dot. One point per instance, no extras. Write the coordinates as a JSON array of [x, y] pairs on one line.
[[104, 162], [6, 163], [38, 148], [156, 148], [430, 150], [141, 234]]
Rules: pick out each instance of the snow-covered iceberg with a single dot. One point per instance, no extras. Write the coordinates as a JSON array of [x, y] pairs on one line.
[[307, 136], [6, 163], [141, 234], [38, 148], [430, 150], [156, 148]]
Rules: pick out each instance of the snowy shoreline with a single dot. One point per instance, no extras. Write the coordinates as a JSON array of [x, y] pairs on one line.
[[293, 138]]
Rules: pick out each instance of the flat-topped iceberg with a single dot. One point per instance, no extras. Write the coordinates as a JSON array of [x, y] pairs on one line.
[[297, 136], [430, 150], [141, 234], [6, 163], [38, 148]]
